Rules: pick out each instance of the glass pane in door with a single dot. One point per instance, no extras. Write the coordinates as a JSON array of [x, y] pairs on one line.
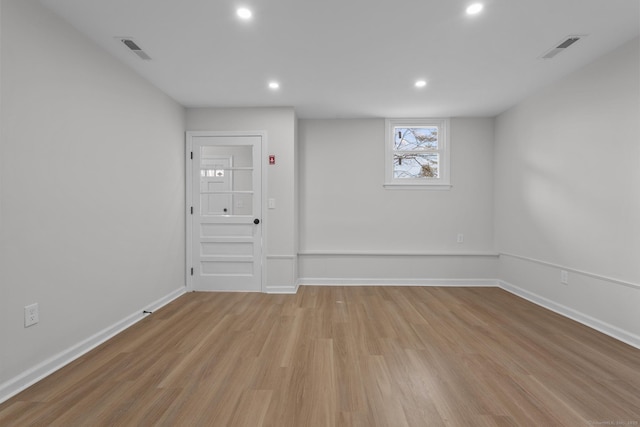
[[226, 180]]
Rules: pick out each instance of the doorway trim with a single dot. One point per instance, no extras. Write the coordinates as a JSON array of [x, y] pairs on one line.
[[189, 199]]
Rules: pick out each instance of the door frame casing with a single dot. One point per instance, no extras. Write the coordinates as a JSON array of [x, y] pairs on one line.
[[189, 199]]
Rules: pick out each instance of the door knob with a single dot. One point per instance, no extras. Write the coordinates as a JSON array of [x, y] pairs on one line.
[[256, 221]]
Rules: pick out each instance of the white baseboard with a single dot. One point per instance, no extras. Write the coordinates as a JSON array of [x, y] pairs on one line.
[[26, 379], [399, 282], [607, 329], [285, 289]]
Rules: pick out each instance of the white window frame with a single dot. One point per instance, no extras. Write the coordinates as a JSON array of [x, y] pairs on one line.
[[443, 182]]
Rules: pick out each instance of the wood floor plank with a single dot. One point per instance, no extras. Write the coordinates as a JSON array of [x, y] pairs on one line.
[[252, 408], [344, 356]]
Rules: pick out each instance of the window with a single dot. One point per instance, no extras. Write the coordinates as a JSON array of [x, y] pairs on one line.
[[417, 154]]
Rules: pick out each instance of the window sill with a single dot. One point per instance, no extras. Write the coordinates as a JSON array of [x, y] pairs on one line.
[[435, 187]]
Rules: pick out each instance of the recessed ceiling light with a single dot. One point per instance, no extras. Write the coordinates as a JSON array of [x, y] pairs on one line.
[[274, 85], [244, 13], [474, 8], [420, 83]]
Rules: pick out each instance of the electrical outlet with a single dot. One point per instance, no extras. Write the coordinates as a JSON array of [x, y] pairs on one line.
[[460, 238], [564, 277], [31, 315]]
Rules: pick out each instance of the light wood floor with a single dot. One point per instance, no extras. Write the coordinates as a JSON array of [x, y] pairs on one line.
[[344, 356]]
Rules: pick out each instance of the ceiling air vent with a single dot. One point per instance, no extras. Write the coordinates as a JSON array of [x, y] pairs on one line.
[[560, 47], [135, 48]]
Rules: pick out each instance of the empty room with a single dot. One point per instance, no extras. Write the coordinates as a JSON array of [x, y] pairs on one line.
[[334, 213]]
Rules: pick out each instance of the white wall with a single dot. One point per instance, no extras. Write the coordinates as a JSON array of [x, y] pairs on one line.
[[280, 225], [92, 196], [353, 228], [567, 193]]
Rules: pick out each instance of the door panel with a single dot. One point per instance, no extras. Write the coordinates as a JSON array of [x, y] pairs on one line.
[[227, 199]]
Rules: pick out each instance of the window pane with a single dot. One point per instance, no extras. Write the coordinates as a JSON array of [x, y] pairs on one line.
[[413, 165], [210, 173], [422, 138]]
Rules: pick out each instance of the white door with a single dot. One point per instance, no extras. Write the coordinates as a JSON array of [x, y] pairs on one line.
[[225, 212]]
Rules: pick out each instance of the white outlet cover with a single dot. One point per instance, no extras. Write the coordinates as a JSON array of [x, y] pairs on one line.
[[31, 315]]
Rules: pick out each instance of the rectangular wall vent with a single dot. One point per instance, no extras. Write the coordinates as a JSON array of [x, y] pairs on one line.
[[568, 42], [133, 47], [561, 46]]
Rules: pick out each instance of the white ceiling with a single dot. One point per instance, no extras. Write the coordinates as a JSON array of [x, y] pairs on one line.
[[354, 58]]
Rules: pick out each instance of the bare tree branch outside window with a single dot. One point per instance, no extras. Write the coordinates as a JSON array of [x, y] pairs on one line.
[[415, 152]]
